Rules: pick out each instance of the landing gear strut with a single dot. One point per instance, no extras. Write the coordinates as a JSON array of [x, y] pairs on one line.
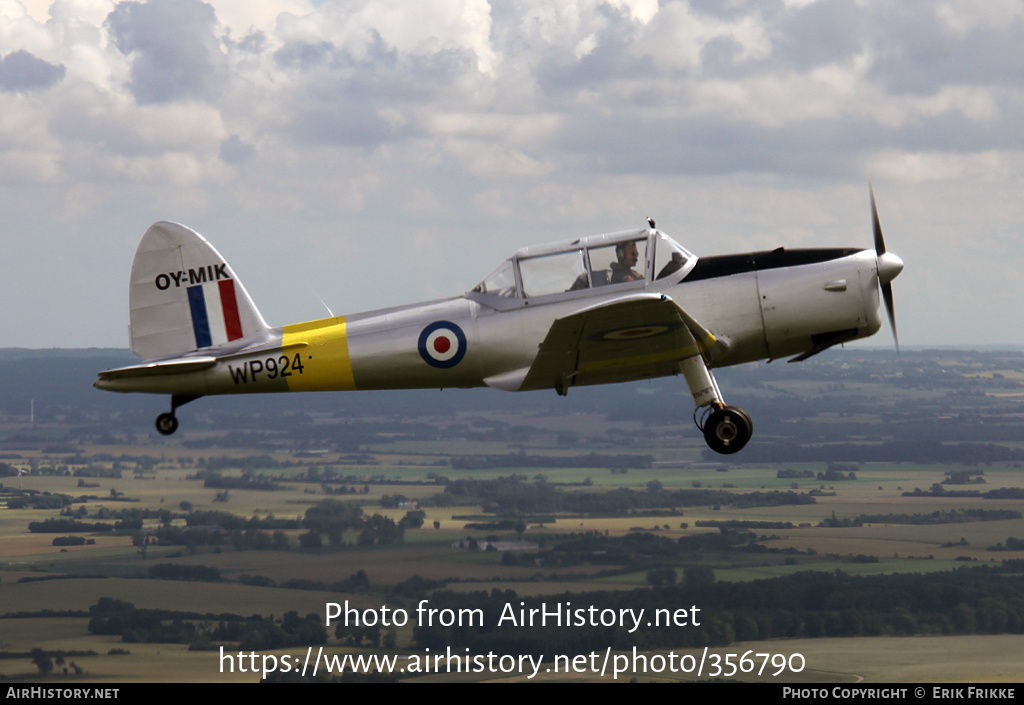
[[167, 422], [726, 428]]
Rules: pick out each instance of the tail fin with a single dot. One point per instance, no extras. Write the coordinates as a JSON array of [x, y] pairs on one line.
[[184, 296]]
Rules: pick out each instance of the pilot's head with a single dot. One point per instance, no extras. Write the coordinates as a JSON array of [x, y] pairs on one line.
[[627, 253]]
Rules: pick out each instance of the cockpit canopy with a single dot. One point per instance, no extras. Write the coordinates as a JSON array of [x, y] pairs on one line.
[[585, 264]]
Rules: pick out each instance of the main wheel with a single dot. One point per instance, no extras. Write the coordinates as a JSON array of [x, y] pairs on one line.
[[728, 430], [166, 423]]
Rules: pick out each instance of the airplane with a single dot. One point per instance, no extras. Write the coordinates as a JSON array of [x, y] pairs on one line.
[[601, 309]]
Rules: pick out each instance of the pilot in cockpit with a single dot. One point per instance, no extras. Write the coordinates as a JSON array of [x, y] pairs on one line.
[[627, 255]]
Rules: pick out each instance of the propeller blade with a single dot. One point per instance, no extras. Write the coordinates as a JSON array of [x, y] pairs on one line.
[[879, 241], [888, 266], [890, 310]]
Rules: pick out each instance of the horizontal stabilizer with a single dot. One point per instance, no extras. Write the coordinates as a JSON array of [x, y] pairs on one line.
[[154, 369]]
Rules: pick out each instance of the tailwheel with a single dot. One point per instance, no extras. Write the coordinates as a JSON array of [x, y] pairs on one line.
[[167, 423], [727, 430]]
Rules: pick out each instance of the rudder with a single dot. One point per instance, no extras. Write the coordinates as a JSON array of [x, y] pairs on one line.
[[184, 297]]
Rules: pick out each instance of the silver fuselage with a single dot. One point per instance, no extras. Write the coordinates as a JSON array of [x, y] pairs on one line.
[[764, 305]]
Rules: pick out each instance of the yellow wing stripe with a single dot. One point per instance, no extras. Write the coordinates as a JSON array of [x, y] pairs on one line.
[[708, 341], [640, 360]]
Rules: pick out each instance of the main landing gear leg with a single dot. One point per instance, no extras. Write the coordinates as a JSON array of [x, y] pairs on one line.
[[167, 423], [726, 428]]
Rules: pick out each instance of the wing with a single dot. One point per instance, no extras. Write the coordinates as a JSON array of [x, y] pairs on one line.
[[632, 337]]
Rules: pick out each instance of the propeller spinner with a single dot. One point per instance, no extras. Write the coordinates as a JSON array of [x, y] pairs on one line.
[[888, 265]]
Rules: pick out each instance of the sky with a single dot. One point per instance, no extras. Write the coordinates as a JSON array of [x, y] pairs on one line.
[[359, 154]]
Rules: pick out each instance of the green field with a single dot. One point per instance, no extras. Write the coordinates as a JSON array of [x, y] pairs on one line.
[[121, 568], [46, 591]]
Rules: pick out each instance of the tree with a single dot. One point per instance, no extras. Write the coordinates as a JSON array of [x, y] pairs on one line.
[[311, 539], [140, 541], [413, 518], [698, 575], [520, 528], [903, 621], [333, 518], [42, 661], [657, 577], [963, 619]]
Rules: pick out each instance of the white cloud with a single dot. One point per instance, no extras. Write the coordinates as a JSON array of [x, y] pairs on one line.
[[479, 127], [993, 14], [21, 30], [915, 167]]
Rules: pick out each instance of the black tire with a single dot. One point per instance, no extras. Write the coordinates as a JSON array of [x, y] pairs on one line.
[[166, 424], [727, 430]]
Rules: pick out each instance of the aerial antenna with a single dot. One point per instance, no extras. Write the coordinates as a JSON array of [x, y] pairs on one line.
[[327, 307], [318, 298]]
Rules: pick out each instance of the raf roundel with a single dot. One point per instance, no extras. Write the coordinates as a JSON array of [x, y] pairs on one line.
[[442, 344]]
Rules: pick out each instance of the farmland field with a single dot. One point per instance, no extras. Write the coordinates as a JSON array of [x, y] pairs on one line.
[[229, 522]]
